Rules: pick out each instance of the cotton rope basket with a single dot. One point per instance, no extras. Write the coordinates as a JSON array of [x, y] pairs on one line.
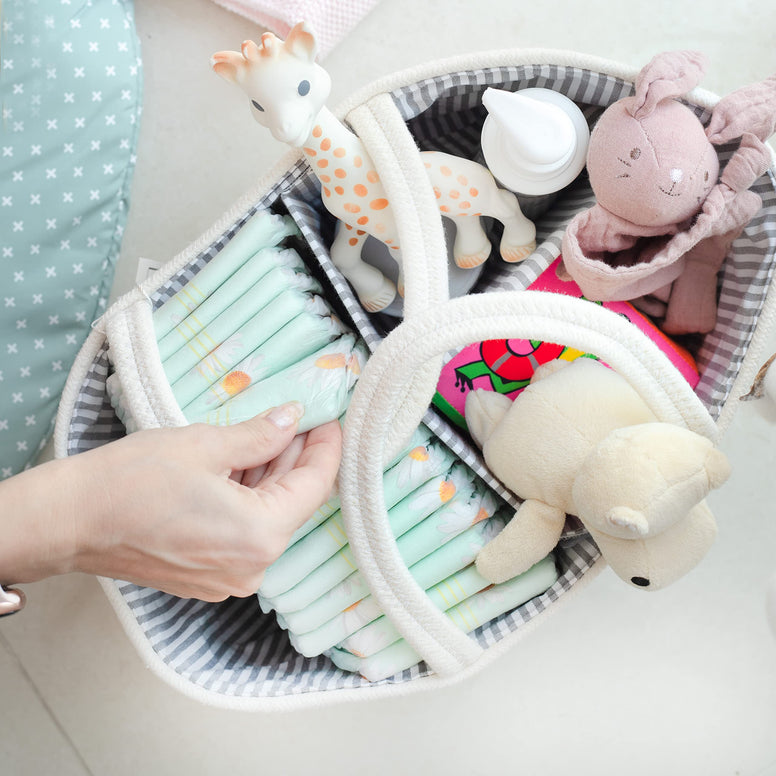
[[232, 654]]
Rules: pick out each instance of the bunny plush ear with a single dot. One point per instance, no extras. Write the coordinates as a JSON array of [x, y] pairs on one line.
[[749, 109], [668, 75]]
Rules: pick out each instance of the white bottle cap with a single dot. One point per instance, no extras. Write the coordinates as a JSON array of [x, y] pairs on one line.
[[535, 140]]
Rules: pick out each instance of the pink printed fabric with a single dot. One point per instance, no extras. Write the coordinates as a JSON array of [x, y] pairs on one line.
[[330, 19]]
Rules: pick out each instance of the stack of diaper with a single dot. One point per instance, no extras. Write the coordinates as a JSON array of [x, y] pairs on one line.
[[441, 515], [251, 331]]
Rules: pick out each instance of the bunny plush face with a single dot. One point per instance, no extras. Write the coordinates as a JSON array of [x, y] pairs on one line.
[[654, 170]]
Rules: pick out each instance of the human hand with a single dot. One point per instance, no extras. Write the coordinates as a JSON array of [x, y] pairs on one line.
[[199, 512]]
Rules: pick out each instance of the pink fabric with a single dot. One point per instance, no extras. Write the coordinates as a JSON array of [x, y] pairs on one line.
[[331, 20], [749, 109]]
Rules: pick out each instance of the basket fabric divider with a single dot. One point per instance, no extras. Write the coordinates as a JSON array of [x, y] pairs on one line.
[[379, 394]]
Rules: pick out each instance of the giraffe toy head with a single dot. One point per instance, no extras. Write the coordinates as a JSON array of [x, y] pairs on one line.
[[286, 87], [287, 90]]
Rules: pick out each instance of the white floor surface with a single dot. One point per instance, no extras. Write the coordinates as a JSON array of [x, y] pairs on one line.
[[681, 682]]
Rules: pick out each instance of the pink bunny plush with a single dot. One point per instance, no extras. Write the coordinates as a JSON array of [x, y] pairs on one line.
[[665, 218]]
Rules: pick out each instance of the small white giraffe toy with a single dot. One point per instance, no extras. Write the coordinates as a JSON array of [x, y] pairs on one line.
[[287, 90]]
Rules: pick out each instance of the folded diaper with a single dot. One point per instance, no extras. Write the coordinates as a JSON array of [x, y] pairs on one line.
[[428, 564], [455, 490], [468, 615], [265, 307], [256, 351], [368, 633], [432, 462], [420, 438], [329, 610], [232, 300], [321, 383], [447, 577], [263, 230]]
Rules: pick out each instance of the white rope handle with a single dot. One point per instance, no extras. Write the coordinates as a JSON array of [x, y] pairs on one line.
[[396, 157], [374, 414], [135, 355], [384, 132]]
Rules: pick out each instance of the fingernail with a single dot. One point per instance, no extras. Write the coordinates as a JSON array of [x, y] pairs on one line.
[[285, 415]]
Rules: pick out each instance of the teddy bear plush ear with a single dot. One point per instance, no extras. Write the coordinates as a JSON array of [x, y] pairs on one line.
[[484, 411], [657, 561], [670, 74], [632, 520]]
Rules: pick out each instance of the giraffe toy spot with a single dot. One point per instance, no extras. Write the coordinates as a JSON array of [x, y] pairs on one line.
[[378, 204], [325, 144], [340, 173], [339, 152], [351, 207], [360, 190]]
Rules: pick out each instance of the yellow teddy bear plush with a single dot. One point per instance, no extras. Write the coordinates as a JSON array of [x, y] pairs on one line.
[[579, 440]]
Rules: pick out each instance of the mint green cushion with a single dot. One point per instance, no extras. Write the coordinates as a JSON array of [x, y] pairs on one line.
[[70, 85]]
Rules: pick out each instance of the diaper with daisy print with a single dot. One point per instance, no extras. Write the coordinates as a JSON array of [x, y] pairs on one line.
[[70, 86]]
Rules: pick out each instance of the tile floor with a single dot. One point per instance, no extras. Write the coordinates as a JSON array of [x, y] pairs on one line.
[[617, 682]]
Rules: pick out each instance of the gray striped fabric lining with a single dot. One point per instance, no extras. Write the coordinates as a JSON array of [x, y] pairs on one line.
[[232, 648]]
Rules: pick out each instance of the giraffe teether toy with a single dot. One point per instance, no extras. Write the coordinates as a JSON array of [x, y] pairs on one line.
[[287, 90]]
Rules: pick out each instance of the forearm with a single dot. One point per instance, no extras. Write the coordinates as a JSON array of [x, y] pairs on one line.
[[199, 511]]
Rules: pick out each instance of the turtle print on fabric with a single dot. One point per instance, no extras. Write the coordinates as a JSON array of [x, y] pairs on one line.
[[70, 83]]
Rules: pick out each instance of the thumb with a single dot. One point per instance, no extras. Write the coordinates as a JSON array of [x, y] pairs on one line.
[[256, 441]]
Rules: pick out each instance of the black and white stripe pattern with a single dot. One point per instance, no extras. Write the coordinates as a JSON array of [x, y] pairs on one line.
[[233, 649]]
